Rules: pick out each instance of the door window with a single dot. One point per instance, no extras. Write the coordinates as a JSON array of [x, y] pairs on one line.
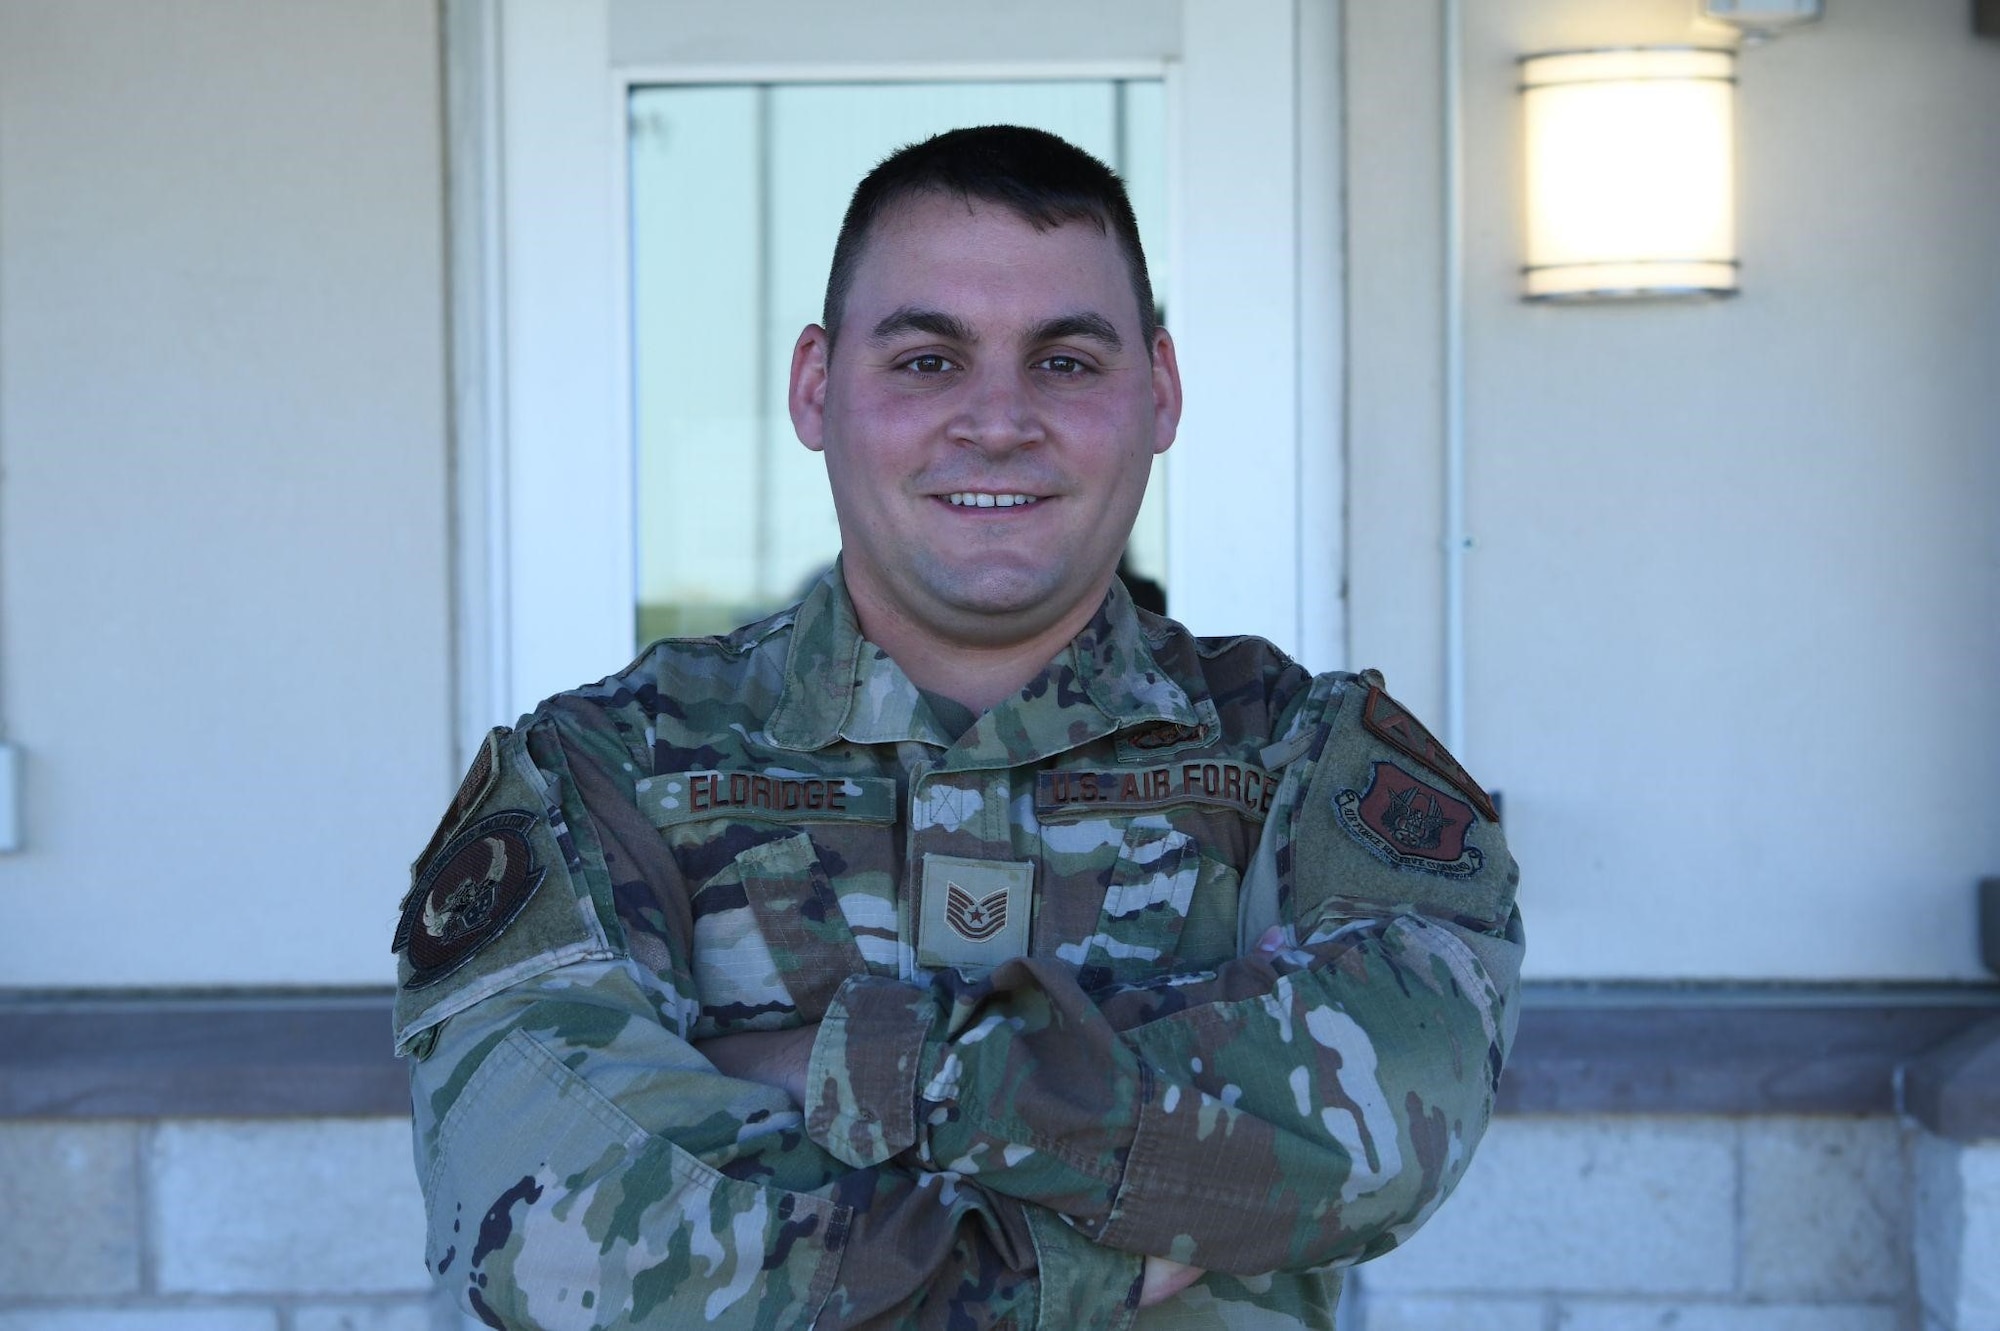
[[737, 192]]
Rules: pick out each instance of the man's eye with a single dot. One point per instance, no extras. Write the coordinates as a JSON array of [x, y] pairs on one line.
[[928, 364], [1064, 365]]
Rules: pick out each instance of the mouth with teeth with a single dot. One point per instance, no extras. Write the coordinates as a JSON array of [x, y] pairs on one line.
[[983, 499]]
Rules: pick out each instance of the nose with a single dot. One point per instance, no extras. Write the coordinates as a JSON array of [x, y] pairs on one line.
[[998, 411]]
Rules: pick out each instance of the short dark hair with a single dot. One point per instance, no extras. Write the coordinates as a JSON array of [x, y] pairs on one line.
[[1042, 179]]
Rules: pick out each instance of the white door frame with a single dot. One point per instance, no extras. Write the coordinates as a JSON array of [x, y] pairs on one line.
[[545, 520]]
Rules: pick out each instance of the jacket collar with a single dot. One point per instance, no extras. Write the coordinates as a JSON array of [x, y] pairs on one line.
[[840, 686]]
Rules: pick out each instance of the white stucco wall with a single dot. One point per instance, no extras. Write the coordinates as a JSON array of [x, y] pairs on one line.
[[224, 620], [1734, 609], [1733, 615]]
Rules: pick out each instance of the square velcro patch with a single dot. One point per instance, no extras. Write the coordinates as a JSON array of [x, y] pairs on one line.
[[974, 912]]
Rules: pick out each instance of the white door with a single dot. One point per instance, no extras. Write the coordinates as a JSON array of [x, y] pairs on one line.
[[545, 98]]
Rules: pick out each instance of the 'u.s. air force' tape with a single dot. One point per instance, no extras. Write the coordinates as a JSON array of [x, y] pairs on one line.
[[1229, 785]]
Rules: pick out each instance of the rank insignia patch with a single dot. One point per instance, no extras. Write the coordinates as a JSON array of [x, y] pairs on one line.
[[1388, 722], [465, 895], [1410, 824], [974, 913], [975, 921]]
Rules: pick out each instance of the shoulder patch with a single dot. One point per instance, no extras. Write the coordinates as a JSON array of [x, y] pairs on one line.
[[466, 894], [1389, 721], [1410, 824], [478, 783]]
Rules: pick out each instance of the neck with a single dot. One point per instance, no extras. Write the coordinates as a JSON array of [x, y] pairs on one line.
[[974, 674]]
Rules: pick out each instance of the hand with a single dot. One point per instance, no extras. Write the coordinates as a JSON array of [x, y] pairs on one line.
[[773, 1058], [1164, 1278], [1275, 944]]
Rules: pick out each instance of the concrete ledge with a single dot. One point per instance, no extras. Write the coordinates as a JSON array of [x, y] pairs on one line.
[[1583, 1049], [1727, 1050], [1954, 1089], [254, 1055]]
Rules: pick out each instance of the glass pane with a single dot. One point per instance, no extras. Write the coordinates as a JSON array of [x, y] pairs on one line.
[[737, 193]]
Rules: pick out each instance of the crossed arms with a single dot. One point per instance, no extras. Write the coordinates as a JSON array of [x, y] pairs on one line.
[[988, 1144]]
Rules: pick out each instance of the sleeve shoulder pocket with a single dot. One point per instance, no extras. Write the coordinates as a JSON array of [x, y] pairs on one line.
[[549, 1206], [501, 898]]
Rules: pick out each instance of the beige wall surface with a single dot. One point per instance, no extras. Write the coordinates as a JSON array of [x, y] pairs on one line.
[[1733, 614], [1734, 608], [224, 608]]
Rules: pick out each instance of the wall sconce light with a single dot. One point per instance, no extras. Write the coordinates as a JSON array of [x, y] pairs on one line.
[[1631, 164]]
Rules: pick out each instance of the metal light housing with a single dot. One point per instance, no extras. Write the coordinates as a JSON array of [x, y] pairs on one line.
[[1631, 173]]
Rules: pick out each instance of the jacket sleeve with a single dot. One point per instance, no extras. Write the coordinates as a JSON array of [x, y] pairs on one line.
[[1278, 1113], [584, 1166]]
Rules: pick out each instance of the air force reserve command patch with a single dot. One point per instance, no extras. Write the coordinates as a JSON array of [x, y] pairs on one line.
[[465, 894], [1410, 824]]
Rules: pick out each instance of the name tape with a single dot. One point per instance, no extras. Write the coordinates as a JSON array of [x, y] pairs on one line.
[[683, 797], [1238, 786]]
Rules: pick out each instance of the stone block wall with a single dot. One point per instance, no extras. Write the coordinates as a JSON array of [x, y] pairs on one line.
[[212, 1225], [1957, 1221], [1564, 1223], [1690, 1223]]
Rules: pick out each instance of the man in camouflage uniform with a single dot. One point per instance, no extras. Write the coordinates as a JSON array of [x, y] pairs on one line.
[[960, 947]]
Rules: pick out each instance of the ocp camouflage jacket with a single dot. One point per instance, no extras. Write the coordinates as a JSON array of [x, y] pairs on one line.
[[1048, 1043]]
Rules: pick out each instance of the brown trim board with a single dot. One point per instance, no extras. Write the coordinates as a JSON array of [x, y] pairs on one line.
[[1583, 1049]]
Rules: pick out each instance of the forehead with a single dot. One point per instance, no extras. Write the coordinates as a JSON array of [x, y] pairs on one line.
[[941, 251]]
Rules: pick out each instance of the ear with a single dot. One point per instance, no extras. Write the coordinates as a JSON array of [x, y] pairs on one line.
[[1166, 391], [807, 392]]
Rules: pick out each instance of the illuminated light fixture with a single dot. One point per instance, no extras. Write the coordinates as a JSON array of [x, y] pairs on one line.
[[1631, 162]]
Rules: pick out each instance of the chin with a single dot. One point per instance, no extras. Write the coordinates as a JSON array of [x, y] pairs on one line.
[[1011, 594]]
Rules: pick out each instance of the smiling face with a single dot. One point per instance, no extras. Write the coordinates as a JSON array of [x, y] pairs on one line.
[[989, 422]]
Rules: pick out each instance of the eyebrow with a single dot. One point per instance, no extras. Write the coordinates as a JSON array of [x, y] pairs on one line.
[[1083, 324], [916, 319]]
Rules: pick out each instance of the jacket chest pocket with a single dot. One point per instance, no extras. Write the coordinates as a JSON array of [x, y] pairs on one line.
[[788, 900], [780, 926], [1165, 907]]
